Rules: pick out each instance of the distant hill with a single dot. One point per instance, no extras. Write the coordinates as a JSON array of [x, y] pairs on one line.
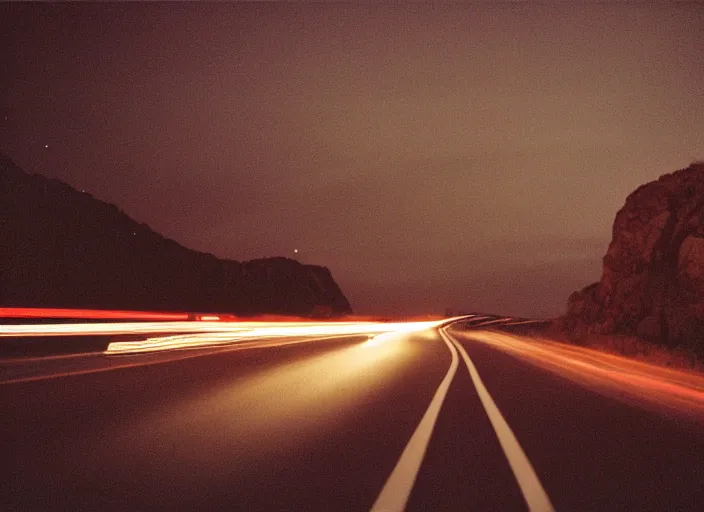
[[653, 278], [63, 248]]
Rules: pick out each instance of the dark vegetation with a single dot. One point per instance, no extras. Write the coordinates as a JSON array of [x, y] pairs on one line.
[[63, 248]]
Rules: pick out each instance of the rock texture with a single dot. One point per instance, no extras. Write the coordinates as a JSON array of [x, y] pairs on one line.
[[63, 248], [653, 275]]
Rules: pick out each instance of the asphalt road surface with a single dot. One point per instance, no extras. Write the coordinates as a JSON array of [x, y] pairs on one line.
[[429, 419]]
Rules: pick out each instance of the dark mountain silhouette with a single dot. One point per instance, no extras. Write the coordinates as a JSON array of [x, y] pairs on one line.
[[653, 278], [63, 248]]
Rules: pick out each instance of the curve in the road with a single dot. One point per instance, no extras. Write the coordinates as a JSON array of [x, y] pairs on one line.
[[394, 495], [533, 491], [397, 489]]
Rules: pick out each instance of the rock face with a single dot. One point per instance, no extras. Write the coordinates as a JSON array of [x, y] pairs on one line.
[[653, 275], [63, 248]]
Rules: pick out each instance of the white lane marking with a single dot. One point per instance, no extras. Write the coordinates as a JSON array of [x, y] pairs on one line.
[[394, 495], [533, 492]]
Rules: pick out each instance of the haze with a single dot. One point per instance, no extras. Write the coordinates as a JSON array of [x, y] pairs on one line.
[[462, 156]]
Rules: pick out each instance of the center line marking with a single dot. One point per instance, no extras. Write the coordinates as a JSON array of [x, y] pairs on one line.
[[533, 492], [394, 495]]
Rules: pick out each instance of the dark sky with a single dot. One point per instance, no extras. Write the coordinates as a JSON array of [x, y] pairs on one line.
[[466, 156]]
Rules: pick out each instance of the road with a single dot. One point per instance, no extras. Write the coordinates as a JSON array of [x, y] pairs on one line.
[[361, 417]]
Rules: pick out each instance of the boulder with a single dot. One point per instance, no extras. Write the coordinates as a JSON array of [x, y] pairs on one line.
[[649, 328], [690, 264], [652, 281]]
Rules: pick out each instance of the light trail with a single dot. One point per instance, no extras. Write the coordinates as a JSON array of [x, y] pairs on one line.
[[173, 335], [18, 370], [220, 336], [82, 329], [90, 314], [616, 375], [257, 328], [531, 487], [252, 332]]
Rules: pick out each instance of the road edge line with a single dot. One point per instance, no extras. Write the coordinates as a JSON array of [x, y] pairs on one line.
[[397, 489], [528, 481]]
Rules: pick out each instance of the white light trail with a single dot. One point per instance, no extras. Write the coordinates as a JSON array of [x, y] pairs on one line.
[[256, 331]]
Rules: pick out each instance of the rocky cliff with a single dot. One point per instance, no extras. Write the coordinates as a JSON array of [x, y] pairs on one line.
[[63, 248], [653, 274]]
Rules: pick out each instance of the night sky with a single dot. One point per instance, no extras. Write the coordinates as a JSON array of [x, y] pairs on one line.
[[464, 156]]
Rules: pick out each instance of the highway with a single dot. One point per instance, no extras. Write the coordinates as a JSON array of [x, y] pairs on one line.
[[344, 416]]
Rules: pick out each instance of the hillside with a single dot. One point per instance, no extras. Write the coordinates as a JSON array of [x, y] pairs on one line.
[[652, 283], [64, 248]]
